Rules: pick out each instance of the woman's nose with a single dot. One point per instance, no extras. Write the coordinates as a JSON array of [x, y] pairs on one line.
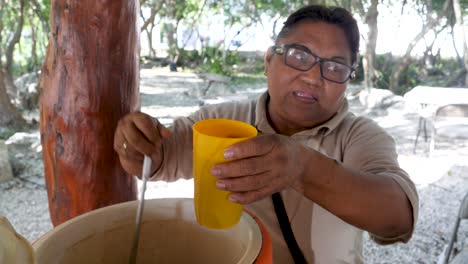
[[313, 75]]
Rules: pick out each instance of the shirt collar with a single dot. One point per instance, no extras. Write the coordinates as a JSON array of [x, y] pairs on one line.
[[262, 124]]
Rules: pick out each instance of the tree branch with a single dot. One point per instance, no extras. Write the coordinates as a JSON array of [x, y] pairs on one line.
[[14, 40], [2, 5], [150, 20], [38, 10], [192, 25]]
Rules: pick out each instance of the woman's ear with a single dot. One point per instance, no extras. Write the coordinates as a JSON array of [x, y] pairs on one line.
[[355, 66], [267, 59], [356, 63]]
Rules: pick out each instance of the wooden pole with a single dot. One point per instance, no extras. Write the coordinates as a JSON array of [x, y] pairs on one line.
[[89, 81]]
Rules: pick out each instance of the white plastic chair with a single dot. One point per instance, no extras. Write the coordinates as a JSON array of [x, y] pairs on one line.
[[462, 256], [426, 113], [449, 121]]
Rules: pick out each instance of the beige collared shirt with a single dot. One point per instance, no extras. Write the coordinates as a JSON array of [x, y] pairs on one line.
[[356, 142]]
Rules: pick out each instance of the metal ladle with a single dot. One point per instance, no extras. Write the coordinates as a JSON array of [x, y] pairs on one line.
[[136, 237]]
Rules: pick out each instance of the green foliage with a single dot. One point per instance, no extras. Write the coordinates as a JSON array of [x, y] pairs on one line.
[[383, 70], [359, 72], [210, 60], [444, 73], [247, 78], [251, 66], [35, 27], [189, 58], [411, 78], [7, 132], [217, 59]]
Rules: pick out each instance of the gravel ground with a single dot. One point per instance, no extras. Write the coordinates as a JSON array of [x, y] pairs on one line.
[[442, 180]]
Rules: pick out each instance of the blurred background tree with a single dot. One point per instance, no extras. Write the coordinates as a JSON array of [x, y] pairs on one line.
[[24, 28], [211, 36]]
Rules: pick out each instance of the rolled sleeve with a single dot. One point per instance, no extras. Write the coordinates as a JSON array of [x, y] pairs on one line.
[[371, 150], [177, 149]]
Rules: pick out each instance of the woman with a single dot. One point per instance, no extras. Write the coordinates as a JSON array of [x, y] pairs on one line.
[[337, 174]]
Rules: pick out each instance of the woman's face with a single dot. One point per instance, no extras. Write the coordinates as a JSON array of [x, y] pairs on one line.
[[303, 99]]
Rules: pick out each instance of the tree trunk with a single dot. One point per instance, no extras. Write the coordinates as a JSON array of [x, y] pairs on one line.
[[89, 81], [370, 19], [459, 18], [369, 57], [171, 33], [403, 62], [148, 26], [10, 50], [9, 114]]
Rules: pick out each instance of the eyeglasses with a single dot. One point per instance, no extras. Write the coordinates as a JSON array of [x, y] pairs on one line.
[[302, 59]]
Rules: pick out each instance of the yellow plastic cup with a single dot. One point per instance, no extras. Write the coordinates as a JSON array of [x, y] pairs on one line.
[[210, 138]]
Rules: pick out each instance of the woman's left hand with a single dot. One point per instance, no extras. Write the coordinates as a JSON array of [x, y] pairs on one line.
[[260, 167]]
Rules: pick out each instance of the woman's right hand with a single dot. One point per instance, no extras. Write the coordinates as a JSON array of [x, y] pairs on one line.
[[139, 134]]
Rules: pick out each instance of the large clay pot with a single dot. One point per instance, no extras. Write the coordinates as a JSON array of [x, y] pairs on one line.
[[169, 234]]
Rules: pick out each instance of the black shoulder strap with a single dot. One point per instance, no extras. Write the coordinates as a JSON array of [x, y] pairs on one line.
[[288, 234]]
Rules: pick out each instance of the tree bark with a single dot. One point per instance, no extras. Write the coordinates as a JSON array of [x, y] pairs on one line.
[[148, 26], [370, 15], [9, 114], [89, 81], [11, 88], [171, 32], [371, 43], [459, 19]]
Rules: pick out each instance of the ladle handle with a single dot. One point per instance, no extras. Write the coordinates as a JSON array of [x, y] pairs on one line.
[[136, 238]]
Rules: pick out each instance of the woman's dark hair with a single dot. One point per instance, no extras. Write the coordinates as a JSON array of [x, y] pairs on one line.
[[332, 15]]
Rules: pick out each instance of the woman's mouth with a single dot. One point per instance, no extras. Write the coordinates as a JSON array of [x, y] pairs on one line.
[[305, 96]]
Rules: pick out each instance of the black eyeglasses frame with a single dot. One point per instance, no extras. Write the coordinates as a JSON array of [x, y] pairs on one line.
[[282, 49]]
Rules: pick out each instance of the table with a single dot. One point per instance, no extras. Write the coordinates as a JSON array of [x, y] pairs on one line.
[[437, 96], [429, 99]]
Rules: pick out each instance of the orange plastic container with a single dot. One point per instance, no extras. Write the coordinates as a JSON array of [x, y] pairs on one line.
[[210, 138]]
